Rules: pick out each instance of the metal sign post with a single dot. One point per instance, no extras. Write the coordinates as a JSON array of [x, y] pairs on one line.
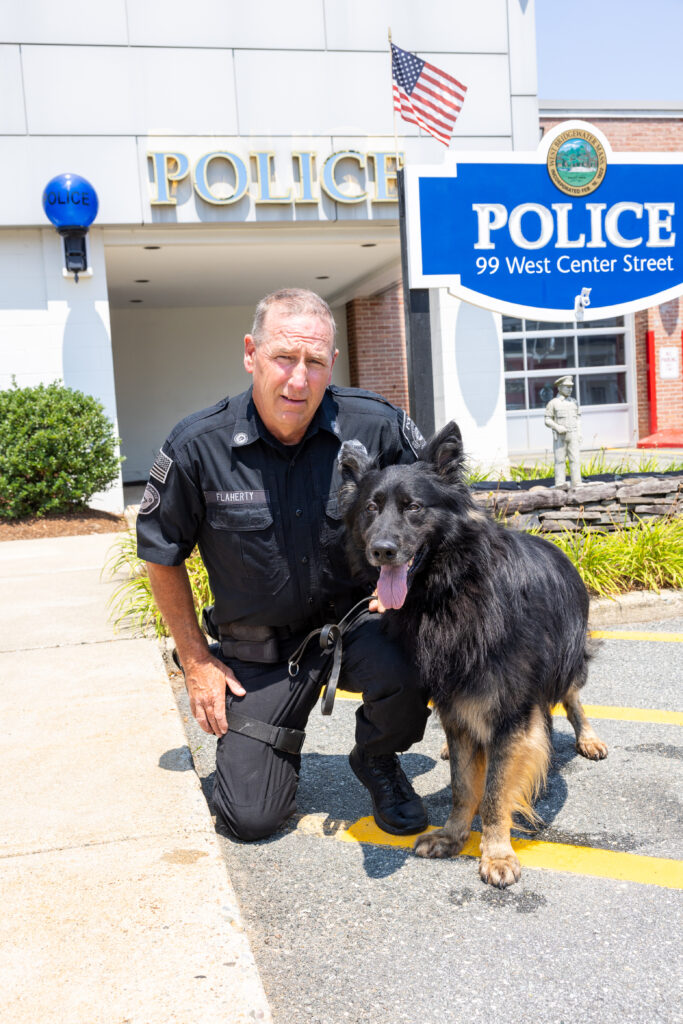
[[418, 334]]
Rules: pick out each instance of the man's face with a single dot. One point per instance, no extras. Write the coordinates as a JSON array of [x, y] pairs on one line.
[[291, 366], [565, 389]]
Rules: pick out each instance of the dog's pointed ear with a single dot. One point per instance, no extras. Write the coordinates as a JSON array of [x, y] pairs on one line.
[[445, 452], [354, 463]]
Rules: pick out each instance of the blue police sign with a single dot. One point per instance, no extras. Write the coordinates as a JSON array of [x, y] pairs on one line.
[[528, 234], [70, 201]]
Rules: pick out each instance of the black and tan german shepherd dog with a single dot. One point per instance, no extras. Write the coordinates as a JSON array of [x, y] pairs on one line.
[[495, 621]]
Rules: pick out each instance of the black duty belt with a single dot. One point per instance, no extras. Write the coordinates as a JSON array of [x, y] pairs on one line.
[[261, 644]]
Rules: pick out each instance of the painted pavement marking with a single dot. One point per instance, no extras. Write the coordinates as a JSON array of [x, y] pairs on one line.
[[627, 634], [653, 716], [533, 853]]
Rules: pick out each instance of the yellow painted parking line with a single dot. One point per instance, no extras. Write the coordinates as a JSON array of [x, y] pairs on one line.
[[628, 634], [654, 716], [533, 853]]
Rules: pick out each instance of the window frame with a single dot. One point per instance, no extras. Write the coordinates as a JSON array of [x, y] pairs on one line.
[[583, 329]]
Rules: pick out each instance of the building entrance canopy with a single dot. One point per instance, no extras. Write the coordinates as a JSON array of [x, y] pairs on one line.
[[547, 234]]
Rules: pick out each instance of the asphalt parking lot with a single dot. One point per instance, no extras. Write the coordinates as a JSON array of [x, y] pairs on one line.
[[347, 925]]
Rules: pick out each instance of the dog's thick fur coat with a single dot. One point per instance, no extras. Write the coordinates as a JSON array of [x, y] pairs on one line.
[[496, 623]]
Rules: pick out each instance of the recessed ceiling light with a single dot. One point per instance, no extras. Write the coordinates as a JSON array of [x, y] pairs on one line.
[[323, 277], [368, 245], [151, 247], [142, 280], [135, 300]]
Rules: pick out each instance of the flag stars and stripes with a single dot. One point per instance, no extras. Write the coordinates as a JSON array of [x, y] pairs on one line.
[[424, 95]]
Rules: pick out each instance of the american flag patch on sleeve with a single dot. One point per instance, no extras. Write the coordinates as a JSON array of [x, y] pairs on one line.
[[161, 467]]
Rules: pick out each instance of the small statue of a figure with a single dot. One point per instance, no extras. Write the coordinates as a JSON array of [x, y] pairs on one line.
[[562, 417]]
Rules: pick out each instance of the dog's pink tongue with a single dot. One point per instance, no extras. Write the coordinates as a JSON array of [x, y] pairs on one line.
[[392, 585]]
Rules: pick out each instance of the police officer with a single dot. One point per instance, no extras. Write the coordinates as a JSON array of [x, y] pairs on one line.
[[253, 482], [562, 417]]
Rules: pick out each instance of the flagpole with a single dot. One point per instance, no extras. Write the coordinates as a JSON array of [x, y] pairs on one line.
[[418, 333], [393, 107]]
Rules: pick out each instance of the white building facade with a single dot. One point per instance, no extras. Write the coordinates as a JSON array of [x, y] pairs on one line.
[[234, 150]]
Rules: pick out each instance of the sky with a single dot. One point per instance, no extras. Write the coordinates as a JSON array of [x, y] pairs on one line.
[[610, 50]]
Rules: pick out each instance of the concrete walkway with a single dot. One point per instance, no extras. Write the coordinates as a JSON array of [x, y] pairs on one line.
[[116, 904]]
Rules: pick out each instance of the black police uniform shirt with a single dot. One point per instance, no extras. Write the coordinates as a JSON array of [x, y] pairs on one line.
[[264, 515]]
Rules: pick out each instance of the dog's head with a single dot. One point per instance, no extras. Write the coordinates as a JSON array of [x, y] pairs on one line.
[[395, 515]]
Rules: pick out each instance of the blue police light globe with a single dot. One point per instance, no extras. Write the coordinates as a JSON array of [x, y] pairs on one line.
[[70, 201]]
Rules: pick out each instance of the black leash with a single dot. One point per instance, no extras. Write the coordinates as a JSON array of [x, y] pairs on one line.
[[330, 637]]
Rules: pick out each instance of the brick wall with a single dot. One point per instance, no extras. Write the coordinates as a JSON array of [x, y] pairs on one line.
[[654, 134], [634, 134], [377, 345], [666, 321]]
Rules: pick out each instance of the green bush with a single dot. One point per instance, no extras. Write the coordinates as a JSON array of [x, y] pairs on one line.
[[57, 448]]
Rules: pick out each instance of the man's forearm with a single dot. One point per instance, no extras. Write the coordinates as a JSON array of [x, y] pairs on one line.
[[173, 595]]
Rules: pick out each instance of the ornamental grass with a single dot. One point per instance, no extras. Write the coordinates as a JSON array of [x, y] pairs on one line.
[[132, 604], [594, 466], [647, 555]]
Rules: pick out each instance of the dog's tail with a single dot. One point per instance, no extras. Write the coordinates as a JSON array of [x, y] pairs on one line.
[[527, 768]]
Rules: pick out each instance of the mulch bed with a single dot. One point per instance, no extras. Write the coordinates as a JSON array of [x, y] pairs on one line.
[[69, 524]]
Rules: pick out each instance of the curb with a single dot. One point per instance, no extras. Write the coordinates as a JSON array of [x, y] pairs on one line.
[[638, 606]]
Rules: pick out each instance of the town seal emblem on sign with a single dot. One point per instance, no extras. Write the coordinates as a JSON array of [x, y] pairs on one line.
[[577, 162]]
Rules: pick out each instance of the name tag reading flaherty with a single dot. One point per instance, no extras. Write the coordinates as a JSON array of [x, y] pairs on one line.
[[236, 497]]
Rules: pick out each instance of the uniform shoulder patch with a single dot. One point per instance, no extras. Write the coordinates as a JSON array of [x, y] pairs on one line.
[[151, 499], [412, 434], [161, 466]]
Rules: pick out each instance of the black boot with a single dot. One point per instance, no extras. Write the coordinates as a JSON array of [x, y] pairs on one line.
[[396, 807]]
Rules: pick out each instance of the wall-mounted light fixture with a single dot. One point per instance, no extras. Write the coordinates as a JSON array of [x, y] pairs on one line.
[[70, 203]]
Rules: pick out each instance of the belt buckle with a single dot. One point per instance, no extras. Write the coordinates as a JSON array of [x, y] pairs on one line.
[[285, 741]]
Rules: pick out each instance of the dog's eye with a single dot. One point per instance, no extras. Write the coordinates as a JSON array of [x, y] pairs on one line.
[[413, 507], [371, 506]]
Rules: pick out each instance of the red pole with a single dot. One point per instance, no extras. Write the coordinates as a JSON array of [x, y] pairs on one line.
[[652, 380]]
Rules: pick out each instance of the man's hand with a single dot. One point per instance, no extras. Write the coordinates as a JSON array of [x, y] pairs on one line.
[[205, 676], [375, 604], [206, 681]]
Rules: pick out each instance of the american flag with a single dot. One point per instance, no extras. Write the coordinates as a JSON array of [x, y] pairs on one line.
[[424, 95]]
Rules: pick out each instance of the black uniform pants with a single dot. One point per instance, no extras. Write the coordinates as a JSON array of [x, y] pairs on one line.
[[255, 786]]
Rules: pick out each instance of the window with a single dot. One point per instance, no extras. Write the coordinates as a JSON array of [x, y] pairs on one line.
[[536, 353]]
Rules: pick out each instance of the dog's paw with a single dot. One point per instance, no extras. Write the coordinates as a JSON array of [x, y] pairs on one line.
[[592, 747], [439, 843], [444, 755], [500, 871]]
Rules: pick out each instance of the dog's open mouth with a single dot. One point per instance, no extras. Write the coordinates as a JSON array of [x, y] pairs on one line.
[[394, 580], [392, 585]]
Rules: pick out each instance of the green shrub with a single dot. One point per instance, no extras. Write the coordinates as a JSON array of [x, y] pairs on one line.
[[57, 448]]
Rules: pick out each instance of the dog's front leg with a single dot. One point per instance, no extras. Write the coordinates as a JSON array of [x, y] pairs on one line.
[[518, 763], [468, 773]]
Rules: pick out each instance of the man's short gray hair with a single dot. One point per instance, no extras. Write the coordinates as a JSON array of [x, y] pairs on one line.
[[294, 302]]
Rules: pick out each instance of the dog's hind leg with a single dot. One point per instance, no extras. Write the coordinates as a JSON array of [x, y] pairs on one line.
[[468, 774], [588, 742], [518, 765]]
